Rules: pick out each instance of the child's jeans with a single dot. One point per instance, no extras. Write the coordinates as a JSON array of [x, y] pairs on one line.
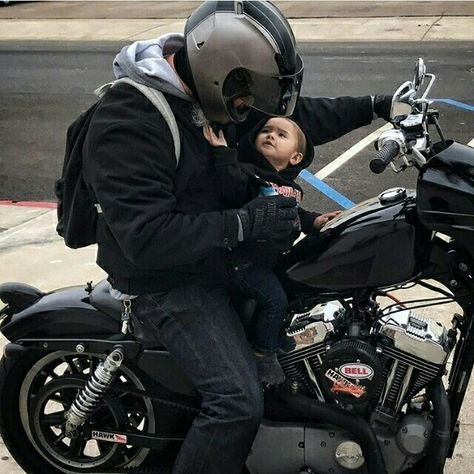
[[262, 284]]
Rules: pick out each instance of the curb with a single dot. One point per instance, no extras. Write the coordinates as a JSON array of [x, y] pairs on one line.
[[41, 204]]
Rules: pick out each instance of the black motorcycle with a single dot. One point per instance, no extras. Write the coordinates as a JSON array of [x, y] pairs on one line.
[[364, 389]]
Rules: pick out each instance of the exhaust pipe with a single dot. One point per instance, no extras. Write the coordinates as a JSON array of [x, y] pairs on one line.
[[321, 412]]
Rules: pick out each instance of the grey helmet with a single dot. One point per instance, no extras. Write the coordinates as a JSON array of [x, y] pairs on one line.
[[242, 49]]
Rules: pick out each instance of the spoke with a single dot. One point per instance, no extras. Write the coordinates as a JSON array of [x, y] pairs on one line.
[[100, 447], [49, 373], [59, 439], [53, 419], [69, 395], [92, 364], [58, 399], [77, 446], [72, 366]]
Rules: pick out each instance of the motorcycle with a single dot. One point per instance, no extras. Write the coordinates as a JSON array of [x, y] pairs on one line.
[[364, 390]]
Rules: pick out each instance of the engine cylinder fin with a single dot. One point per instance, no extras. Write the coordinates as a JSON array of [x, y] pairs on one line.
[[410, 375]]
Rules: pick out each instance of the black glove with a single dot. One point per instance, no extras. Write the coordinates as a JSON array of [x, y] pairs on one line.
[[382, 106], [268, 218]]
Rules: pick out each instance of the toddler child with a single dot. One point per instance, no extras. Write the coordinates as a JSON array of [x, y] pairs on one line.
[[267, 161]]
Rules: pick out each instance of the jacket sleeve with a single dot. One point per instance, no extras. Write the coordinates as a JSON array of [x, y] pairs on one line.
[[307, 220], [325, 119], [231, 181], [130, 165]]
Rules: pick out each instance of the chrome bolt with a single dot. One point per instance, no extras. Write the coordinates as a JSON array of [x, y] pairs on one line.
[[463, 267], [453, 283], [80, 348], [378, 350], [45, 345], [405, 430]]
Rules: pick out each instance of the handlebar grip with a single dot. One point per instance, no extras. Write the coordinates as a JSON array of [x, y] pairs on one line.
[[384, 156]]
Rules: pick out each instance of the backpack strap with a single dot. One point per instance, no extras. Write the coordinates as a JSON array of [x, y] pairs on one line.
[[158, 100]]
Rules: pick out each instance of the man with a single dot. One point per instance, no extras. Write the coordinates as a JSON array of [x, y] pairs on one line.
[[162, 234]]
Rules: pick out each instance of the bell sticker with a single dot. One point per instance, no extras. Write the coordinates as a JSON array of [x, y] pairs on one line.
[[357, 371]]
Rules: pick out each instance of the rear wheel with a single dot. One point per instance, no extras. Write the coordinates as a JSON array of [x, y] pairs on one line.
[[36, 391]]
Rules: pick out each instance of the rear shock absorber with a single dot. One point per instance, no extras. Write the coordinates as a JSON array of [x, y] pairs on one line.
[[91, 395]]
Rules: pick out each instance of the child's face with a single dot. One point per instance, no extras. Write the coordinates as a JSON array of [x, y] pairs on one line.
[[277, 141]]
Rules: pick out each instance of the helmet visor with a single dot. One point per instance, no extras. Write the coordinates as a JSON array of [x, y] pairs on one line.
[[274, 95]]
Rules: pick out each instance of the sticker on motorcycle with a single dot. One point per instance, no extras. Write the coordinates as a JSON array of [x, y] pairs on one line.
[[343, 386], [111, 437], [357, 371]]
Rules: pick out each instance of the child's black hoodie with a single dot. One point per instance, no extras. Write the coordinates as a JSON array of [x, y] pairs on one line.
[[241, 176]]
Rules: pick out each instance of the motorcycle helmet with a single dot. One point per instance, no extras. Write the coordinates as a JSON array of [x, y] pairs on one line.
[[242, 50]]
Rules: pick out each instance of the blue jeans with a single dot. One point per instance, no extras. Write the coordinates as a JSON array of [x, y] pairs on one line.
[[262, 284], [199, 327]]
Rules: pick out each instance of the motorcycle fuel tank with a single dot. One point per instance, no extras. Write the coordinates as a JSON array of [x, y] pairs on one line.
[[445, 191], [377, 243]]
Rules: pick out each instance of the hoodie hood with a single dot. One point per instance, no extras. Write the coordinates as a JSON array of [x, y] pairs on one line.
[[249, 154], [145, 63]]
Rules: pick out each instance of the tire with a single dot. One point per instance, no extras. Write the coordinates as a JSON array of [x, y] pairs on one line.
[[12, 373], [27, 381]]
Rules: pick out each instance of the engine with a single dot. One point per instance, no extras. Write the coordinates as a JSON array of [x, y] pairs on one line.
[[377, 375], [401, 356]]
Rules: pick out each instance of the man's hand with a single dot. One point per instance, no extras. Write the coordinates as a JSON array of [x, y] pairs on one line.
[[212, 138], [323, 219], [268, 218], [382, 106]]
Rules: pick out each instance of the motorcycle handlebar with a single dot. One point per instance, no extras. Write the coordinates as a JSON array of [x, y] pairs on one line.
[[384, 156]]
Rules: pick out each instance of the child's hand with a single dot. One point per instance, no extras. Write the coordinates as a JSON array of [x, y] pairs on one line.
[[212, 138], [323, 219]]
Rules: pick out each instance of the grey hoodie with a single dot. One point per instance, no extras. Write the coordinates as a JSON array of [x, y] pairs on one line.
[[144, 62]]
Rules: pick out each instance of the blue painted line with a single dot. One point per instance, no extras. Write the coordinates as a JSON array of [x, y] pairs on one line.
[[456, 103], [321, 186]]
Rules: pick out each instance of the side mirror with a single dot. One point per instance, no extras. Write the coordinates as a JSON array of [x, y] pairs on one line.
[[402, 100], [419, 74]]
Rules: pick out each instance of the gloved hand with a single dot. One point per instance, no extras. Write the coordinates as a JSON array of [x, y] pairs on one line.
[[382, 106], [268, 218]]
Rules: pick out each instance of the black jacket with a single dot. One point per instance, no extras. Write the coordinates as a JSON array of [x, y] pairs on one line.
[[164, 226]]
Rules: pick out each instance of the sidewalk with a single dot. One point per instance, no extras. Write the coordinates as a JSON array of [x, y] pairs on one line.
[[311, 21]]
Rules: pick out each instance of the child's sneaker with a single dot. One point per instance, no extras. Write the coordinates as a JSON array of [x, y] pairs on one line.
[[269, 369]]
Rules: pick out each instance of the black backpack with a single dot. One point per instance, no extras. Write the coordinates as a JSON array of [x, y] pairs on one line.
[[78, 209]]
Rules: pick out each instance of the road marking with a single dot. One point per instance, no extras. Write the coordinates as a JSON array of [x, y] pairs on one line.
[[456, 103], [324, 188], [351, 152]]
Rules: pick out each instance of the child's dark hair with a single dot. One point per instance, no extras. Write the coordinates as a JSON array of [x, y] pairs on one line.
[[301, 136]]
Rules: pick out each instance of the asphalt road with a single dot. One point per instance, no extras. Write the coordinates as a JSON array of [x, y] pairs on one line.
[[44, 86]]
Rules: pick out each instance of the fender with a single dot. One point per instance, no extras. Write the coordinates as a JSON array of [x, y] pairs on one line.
[[63, 313], [63, 318]]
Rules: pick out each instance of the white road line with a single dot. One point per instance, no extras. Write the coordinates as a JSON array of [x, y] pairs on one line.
[[351, 152], [471, 143]]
